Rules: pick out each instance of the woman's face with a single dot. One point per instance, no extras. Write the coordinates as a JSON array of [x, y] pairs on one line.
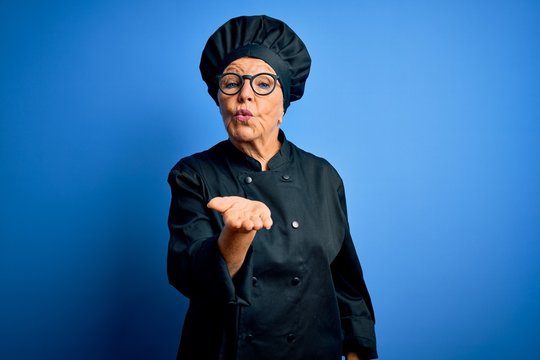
[[249, 117]]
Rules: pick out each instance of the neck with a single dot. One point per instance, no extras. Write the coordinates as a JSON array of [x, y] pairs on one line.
[[262, 151]]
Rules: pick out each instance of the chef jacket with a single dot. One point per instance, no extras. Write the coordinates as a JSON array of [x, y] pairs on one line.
[[300, 293]]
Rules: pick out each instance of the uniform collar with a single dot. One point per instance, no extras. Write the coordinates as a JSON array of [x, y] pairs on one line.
[[246, 162]]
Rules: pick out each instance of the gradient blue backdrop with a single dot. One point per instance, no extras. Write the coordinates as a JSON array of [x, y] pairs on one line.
[[429, 110]]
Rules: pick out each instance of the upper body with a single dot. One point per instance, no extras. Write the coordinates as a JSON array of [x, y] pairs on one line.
[[260, 242], [300, 287]]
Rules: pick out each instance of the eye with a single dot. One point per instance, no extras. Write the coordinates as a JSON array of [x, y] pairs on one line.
[[231, 85], [230, 82], [263, 85], [264, 82]]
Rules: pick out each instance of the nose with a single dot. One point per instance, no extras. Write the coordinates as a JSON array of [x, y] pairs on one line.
[[246, 92]]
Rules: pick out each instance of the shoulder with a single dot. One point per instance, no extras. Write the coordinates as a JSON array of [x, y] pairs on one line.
[[199, 161], [193, 169], [311, 161]]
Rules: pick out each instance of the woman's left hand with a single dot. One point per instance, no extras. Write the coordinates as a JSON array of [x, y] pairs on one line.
[[242, 218]]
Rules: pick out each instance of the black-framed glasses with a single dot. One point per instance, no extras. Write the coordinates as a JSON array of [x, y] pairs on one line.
[[262, 84]]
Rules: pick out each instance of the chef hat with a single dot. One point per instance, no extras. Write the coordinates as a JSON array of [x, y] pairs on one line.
[[260, 37]]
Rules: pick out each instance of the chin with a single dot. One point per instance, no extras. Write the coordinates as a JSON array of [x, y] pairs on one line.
[[241, 138], [242, 134]]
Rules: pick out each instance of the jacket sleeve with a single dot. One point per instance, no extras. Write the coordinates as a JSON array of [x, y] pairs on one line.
[[356, 310], [195, 265]]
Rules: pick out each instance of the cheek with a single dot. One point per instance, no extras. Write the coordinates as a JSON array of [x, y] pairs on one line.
[[272, 105], [222, 103], [220, 100], [275, 109]]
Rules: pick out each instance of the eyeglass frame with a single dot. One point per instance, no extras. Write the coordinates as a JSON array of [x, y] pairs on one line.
[[250, 78]]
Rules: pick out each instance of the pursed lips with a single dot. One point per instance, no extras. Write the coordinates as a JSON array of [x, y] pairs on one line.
[[243, 115]]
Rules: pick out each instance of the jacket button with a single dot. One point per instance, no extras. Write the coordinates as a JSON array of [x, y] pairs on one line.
[[248, 180], [295, 281], [254, 280], [295, 224], [286, 177], [291, 338], [249, 338]]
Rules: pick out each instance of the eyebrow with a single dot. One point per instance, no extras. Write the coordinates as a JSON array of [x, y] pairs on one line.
[[239, 70]]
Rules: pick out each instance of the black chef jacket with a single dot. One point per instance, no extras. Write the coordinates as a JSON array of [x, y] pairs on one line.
[[300, 293]]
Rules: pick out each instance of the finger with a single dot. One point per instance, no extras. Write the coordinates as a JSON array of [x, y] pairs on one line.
[[232, 221], [257, 222], [267, 222], [266, 218], [247, 225], [238, 221]]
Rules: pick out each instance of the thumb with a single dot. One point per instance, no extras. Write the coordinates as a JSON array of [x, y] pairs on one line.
[[220, 204]]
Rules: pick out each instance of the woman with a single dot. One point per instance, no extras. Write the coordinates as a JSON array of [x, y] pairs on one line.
[[260, 241]]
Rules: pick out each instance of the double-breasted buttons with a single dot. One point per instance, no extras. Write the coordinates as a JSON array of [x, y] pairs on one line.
[[254, 280], [286, 177], [248, 180], [295, 281], [295, 224]]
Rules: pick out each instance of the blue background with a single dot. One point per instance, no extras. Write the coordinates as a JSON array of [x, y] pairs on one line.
[[428, 109]]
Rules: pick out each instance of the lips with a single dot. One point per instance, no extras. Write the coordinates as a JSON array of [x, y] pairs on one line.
[[243, 115]]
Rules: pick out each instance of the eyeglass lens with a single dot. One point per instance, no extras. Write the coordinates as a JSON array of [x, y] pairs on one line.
[[262, 84]]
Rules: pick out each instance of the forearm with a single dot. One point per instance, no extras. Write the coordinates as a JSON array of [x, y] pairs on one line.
[[234, 247], [242, 218], [352, 356]]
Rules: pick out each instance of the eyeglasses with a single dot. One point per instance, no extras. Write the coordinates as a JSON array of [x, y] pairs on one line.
[[262, 84]]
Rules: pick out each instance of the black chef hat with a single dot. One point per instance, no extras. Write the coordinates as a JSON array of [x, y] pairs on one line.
[[260, 37]]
